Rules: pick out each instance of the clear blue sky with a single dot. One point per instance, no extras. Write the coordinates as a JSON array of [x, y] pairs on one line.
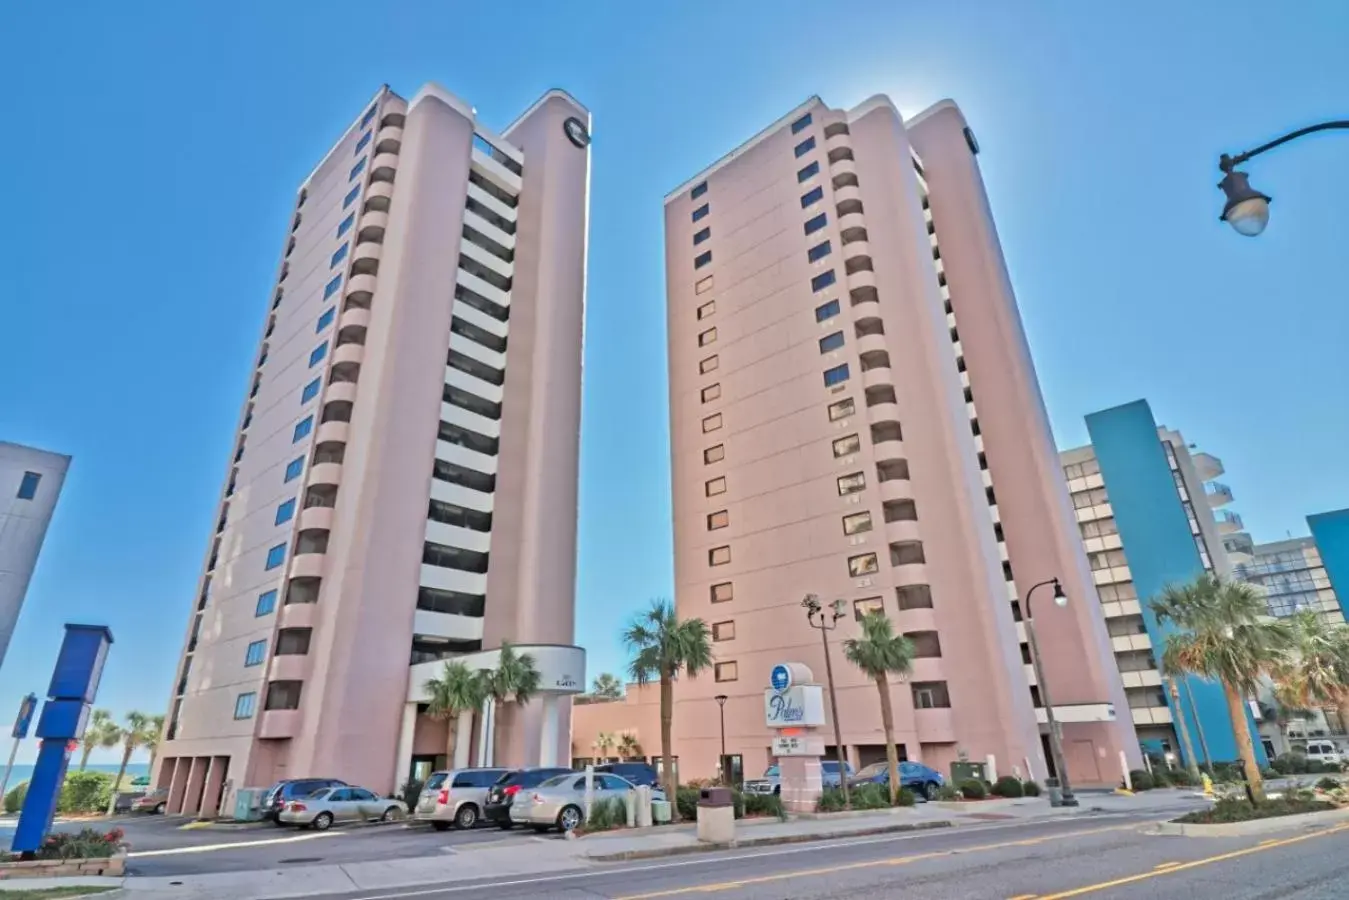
[[153, 151]]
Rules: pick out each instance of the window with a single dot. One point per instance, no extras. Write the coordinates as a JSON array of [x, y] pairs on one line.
[[360, 145], [715, 486], [719, 519], [930, 695], [711, 392], [722, 592], [266, 603], [316, 356], [340, 255], [727, 671], [815, 224], [285, 512], [857, 523], [808, 172], [714, 454], [707, 337], [349, 199], [818, 252], [311, 390], [822, 280], [842, 409], [702, 236], [845, 445], [275, 556], [718, 556], [707, 309], [326, 319], [914, 596], [804, 147], [294, 468], [867, 606], [255, 654], [801, 123], [708, 365], [700, 212], [851, 484], [698, 190], [723, 631], [831, 342], [369, 114], [827, 311], [865, 564], [332, 287], [712, 423], [346, 223], [357, 169], [836, 375], [702, 259], [812, 196], [28, 485], [244, 704]]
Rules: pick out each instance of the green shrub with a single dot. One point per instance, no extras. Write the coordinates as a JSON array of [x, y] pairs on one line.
[[1179, 777], [410, 793], [85, 792], [14, 799], [907, 797], [1226, 771], [1328, 784], [1030, 788], [88, 843], [764, 805], [686, 801], [830, 800], [948, 792], [871, 796], [1008, 786], [1269, 773], [607, 814], [973, 789], [1141, 780], [1239, 809]]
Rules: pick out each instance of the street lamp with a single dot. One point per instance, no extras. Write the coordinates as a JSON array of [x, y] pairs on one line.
[[721, 703], [828, 622], [1246, 209], [1055, 746]]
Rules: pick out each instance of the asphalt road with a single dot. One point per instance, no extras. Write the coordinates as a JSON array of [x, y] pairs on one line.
[[1106, 857]]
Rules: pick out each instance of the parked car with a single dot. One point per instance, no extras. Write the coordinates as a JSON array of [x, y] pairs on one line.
[[923, 780], [154, 802], [559, 802], [771, 782], [455, 798], [1323, 752], [638, 773], [497, 808], [327, 806], [281, 793]]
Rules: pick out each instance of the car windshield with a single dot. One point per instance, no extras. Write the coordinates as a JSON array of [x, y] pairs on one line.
[[435, 781], [875, 768], [772, 772]]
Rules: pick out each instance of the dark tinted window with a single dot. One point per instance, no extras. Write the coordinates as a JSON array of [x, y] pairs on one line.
[[485, 778], [814, 195], [362, 794], [533, 777], [801, 149], [801, 123], [809, 171], [464, 780], [436, 780]]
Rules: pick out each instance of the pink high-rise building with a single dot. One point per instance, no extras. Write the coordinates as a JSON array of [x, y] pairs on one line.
[[402, 489], [837, 306]]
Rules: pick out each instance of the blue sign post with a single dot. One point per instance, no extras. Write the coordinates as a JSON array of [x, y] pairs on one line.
[[79, 666]]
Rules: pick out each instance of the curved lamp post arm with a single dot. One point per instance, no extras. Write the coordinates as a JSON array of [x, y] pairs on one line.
[[1228, 163], [1246, 209]]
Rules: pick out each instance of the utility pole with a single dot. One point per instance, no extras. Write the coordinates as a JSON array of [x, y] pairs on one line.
[[827, 623]]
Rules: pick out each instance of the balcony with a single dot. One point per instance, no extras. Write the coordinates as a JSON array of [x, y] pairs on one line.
[[389, 140], [298, 615], [360, 292], [341, 391], [378, 197], [316, 518], [279, 723], [309, 565], [1218, 494], [839, 154], [288, 667], [373, 226], [365, 259], [1229, 522], [1207, 465], [384, 167], [333, 432]]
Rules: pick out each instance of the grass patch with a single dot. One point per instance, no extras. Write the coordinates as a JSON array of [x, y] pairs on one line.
[[1241, 810], [56, 893]]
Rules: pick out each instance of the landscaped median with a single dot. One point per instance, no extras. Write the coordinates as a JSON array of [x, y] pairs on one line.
[[1326, 806], [86, 853]]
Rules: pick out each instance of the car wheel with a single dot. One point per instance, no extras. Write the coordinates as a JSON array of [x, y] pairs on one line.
[[570, 818], [466, 817], [441, 826], [159, 810], [777, 790], [392, 814], [323, 821], [930, 790]]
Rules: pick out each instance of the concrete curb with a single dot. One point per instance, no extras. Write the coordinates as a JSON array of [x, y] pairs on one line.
[[765, 842], [1255, 826]]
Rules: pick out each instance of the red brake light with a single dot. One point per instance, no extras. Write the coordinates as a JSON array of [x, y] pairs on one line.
[[510, 790], [444, 797], [297, 806]]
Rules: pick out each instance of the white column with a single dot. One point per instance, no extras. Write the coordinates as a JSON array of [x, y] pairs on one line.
[[402, 761], [463, 739], [485, 735], [548, 731]]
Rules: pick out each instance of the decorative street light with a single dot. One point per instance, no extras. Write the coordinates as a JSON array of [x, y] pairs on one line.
[[1055, 745], [1247, 210], [721, 703], [828, 622]]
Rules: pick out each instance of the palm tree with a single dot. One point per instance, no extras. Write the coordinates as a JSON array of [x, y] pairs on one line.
[[139, 730], [100, 732], [880, 653], [662, 647], [458, 690], [607, 687], [1316, 672], [515, 678], [604, 742], [628, 746], [153, 732], [1223, 633]]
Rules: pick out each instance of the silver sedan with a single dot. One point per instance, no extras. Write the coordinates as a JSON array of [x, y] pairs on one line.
[[559, 802], [327, 806]]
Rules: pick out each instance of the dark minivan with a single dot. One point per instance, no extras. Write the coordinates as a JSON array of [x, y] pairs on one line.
[[281, 793], [500, 796], [639, 773]]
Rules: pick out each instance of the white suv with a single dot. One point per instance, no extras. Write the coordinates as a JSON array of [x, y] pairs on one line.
[[1323, 752], [455, 798]]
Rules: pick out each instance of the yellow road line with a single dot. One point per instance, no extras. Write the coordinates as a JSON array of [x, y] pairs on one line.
[[1194, 864], [1024, 897], [1166, 865], [867, 864]]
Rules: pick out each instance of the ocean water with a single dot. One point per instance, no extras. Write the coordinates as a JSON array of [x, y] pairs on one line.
[[25, 772]]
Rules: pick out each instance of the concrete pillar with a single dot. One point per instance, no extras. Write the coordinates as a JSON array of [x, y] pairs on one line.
[[548, 732], [214, 781], [407, 730], [164, 772], [196, 780], [178, 784], [485, 738], [463, 739]]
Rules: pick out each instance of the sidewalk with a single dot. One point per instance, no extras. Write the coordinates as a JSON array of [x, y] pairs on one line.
[[536, 856]]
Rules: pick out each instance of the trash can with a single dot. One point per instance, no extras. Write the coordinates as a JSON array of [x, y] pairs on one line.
[[716, 816], [1055, 791]]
